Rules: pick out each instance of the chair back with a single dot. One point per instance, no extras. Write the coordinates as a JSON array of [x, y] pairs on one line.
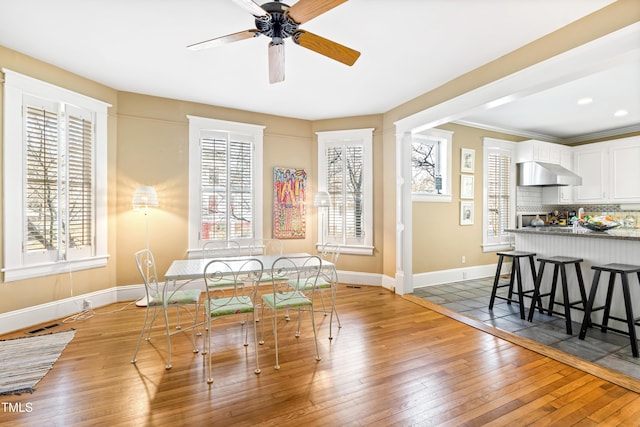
[[147, 268], [232, 279], [331, 252], [301, 272], [220, 248], [265, 247]]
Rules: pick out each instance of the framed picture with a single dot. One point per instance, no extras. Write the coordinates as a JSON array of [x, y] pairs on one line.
[[467, 160], [289, 213], [466, 213], [466, 186]]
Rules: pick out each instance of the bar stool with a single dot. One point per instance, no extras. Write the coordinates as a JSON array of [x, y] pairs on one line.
[[559, 264], [515, 275], [624, 270]]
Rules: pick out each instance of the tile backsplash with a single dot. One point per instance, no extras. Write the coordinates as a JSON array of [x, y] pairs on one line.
[[529, 199]]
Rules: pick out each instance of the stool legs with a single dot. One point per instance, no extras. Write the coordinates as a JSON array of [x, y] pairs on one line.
[[514, 277], [496, 280], [586, 322], [631, 322], [558, 270]]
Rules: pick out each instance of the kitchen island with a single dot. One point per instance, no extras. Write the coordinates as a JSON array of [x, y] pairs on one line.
[[619, 245]]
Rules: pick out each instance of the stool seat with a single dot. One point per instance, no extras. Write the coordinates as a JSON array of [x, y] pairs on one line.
[[516, 254], [561, 260], [560, 263], [618, 268], [613, 269], [515, 277]]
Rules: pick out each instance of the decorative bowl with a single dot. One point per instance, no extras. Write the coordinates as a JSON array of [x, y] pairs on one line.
[[600, 227]]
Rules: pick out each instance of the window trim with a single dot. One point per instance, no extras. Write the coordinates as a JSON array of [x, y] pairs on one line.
[[16, 86], [328, 138], [497, 144], [447, 184], [197, 125]]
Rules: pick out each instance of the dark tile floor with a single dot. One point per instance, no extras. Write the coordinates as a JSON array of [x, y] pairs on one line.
[[471, 297]]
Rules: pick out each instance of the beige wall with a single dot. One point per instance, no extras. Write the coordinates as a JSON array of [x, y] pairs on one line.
[[148, 139], [153, 149], [439, 241]]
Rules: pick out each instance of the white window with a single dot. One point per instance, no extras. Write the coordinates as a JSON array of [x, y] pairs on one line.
[[345, 171], [431, 165], [499, 193], [55, 144], [225, 181]]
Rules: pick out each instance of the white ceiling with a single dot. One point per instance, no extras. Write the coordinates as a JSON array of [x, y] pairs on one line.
[[408, 48]]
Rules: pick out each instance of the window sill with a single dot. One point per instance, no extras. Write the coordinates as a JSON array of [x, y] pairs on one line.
[[350, 249], [12, 274], [437, 198], [494, 247]]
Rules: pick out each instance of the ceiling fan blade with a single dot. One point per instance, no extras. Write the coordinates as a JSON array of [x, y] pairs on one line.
[[276, 62], [305, 10], [326, 47], [251, 7], [229, 38]]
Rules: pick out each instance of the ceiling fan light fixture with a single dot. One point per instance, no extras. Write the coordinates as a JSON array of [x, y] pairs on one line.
[[279, 21]]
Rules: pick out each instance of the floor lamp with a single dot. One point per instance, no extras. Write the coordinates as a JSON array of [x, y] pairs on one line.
[[144, 197], [322, 201]]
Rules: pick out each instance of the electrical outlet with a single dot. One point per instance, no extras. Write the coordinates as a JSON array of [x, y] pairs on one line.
[[86, 305], [464, 259]]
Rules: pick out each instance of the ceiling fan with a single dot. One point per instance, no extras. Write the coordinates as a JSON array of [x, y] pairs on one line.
[[279, 21]]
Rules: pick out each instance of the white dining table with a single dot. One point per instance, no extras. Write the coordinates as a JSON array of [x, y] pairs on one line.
[[190, 269]]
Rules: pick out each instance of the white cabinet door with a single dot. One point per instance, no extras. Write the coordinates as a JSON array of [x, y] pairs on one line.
[[563, 156], [590, 165], [624, 170]]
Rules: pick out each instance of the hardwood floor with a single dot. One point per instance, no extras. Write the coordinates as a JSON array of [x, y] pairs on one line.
[[394, 362]]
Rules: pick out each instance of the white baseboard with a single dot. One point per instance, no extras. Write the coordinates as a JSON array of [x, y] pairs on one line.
[[431, 278], [26, 317]]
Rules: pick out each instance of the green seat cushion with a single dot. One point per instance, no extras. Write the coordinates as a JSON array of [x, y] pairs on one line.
[[320, 283], [226, 306], [186, 296], [286, 300]]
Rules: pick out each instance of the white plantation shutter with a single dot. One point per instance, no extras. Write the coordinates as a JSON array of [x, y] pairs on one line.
[[55, 154], [41, 138], [499, 196], [226, 187], [59, 202], [345, 178], [225, 181], [345, 172]]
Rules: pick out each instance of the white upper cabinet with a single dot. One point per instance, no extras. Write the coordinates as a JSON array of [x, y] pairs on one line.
[[624, 170], [540, 151], [547, 152], [591, 165], [610, 171]]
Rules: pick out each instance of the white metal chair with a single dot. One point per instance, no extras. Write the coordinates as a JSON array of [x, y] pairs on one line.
[[245, 275], [302, 272], [328, 281], [159, 298], [265, 247], [220, 248]]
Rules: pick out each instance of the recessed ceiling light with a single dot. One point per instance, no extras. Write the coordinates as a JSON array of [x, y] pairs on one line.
[[621, 113], [584, 101]]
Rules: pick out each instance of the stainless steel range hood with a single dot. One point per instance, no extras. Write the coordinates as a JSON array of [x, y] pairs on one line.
[[541, 174]]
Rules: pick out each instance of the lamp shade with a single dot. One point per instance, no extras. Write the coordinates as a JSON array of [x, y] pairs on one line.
[[144, 196], [322, 200]]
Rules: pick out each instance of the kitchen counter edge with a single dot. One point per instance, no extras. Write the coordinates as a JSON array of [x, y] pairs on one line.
[[615, 234]]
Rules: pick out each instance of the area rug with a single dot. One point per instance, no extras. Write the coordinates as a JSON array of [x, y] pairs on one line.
[[25, 361]]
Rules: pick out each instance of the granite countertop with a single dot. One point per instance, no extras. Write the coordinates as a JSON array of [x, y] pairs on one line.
[[619, 233]]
